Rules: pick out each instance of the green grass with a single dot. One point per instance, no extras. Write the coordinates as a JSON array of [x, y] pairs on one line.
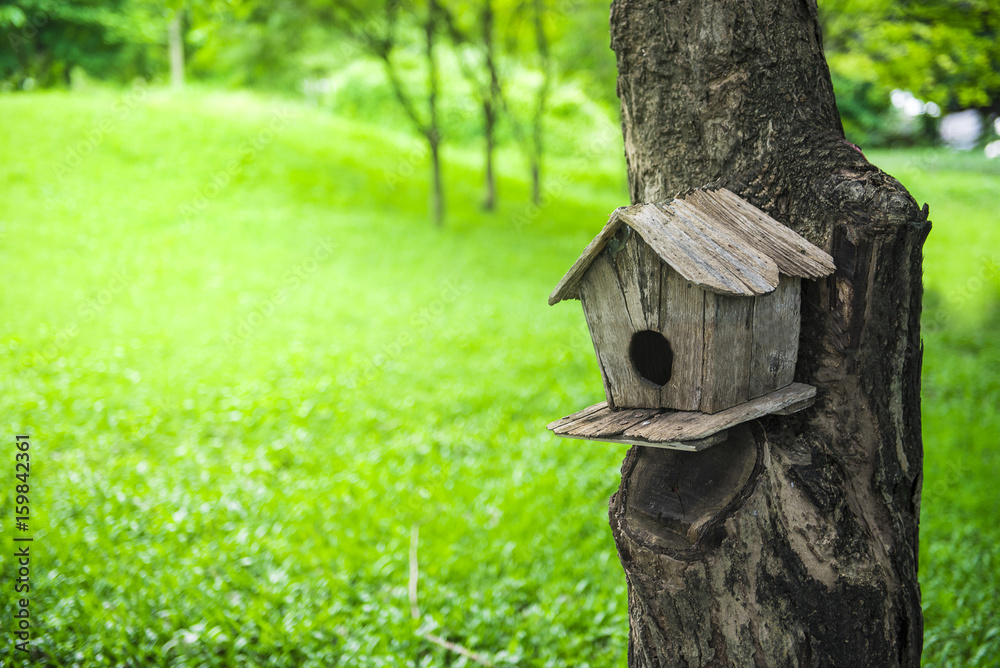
[[960, 514], [250, 366]]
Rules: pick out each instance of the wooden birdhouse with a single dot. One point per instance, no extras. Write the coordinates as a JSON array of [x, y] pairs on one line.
[[693, 307]]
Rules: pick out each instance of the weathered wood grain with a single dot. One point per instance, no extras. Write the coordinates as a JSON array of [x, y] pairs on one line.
[[697, 255], [659, 426], [726, 370], [720, 245], [686, 446], [775, 337], [793, 254], [689, 489], [610, 328], [682, 321], [576, 417], [796, 407], [568, 286], [605, 422], [638, 269], [712, 237]]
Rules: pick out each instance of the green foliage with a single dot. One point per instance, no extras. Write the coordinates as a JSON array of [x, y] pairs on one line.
[[864, 105], [946, 51], [250, 367], [262, 44], [45, 40], [943, 51], [361, 90]]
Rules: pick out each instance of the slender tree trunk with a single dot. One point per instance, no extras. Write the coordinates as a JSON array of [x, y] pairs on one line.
[[489, 116], [437, 192], [490, 102], [433, 131], [541, 98], [812, 559], [175, 37]]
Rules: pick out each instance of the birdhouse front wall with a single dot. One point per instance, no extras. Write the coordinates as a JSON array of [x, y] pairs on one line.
[[663, 341]]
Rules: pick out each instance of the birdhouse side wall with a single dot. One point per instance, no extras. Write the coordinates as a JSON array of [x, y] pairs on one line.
[[775, 348], [726, 370], [750, 345]]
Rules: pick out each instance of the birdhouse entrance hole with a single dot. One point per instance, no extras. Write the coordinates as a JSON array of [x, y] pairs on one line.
[[651, 356]]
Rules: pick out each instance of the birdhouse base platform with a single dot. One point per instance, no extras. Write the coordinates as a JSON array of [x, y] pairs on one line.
[[677, 430]]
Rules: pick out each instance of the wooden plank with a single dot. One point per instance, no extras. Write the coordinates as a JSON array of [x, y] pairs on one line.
[[796, 407], [685, 249], [712, 237], [651, 426], [576, 417], [607, 423], [687, 446], [568, 286], [611, 329], [775, 338], [726, 250], [793, 254], [726, 368], [686, 426], [682, 322]]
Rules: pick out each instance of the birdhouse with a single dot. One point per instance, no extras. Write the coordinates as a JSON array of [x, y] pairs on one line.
[[694, 310]]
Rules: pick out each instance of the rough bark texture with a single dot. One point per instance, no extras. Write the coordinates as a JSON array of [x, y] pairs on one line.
[[812, 560]]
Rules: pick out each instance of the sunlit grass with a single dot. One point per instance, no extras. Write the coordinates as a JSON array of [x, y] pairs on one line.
[[251, 364]]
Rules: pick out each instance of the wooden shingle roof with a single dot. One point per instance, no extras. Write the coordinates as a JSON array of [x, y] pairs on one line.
[[713, 238]]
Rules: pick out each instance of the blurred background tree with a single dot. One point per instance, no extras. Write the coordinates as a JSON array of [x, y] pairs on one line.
[[46, 40], [944, 52], [507, 58]]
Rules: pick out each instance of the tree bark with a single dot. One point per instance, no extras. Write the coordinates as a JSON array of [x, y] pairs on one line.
[[812, 559]]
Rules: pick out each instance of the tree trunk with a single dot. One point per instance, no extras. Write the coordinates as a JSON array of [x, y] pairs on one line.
[[437, 193], [489, 117], [175, 37], [812, 559], [541, 97], [490, 102], [433, 131]]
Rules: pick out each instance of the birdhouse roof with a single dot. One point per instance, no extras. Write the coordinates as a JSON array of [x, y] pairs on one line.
[[713, 238]]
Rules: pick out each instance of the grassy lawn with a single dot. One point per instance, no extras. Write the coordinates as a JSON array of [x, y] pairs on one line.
[[251, 367]]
